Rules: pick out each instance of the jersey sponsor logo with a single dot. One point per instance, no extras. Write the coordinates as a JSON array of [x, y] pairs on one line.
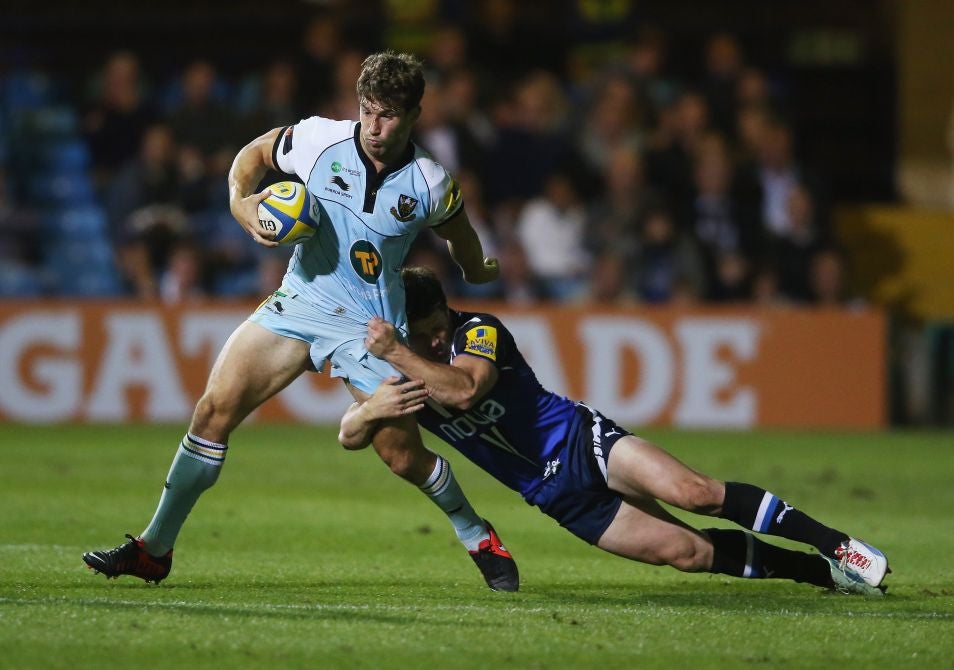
[[405, 208], [340, 183], [479, 422], [482, 341], [287, 142], [366, 261], [337, 167]]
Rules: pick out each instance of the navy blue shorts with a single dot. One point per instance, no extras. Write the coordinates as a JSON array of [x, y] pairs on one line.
[[576, 495]]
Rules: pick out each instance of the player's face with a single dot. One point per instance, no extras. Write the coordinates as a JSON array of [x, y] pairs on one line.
[[384, 131], [430, 337]]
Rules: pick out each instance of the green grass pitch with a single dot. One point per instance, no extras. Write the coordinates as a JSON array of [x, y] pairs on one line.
[[306, 556]]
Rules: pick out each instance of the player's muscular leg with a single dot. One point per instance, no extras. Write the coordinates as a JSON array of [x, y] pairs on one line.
[[254, 365], [643, 531], [639, 468], [398, 443]]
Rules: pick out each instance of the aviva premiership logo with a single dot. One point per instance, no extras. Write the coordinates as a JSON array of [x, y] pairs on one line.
[[366, 261], [482, 341], [405, 208]]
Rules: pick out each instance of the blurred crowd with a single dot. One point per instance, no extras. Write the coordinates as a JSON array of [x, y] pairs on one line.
[[602, 180]]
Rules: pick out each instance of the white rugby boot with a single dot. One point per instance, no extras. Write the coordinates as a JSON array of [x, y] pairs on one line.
[[862, 561], [850, 583]]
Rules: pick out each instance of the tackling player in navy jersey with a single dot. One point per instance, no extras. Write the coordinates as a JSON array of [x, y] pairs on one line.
[[375, 191], [472, 388]]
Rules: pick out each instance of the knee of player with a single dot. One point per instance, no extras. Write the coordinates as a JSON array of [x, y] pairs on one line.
[[691, 556], [213, 411], [701, 495], [400, 461]]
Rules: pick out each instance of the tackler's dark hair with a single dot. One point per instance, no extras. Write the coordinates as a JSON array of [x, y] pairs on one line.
[[423, 291]]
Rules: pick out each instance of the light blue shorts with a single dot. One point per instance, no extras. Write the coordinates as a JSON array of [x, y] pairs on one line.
[[285, 314]]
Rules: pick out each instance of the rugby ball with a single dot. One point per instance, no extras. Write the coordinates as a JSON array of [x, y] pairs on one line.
[[290, 212]]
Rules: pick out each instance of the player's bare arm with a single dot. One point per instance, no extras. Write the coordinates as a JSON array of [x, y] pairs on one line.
[[392, 399], [460, 385], [465, 248], [249, 167]]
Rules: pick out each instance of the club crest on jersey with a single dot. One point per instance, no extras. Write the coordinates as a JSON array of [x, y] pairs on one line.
[[366, 261], [405, 208], [482, 341]]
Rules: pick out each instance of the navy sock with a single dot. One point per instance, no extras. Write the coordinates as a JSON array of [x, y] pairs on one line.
[[741, 554], [757, 509]]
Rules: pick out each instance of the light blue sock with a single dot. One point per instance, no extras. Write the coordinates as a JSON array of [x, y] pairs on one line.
[[443, 489], [195, 468]]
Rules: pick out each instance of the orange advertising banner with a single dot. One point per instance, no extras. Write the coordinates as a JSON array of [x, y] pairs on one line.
[[725, 367]]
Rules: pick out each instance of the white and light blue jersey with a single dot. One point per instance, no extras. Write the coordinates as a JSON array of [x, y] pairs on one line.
[[350, 270]]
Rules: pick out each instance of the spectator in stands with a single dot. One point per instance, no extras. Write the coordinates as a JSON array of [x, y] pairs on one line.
[[644, 61], [20, 244], [150, 179], [181, 281], [450, 143], [146, 213], [118, 116], [777, 174], [765, 287], [201, 120], [752, 91], [339, 102], [274, 101], [614, 121], [671, 149], [613, 219], [715, 219], [723, 68], [827, 278], [731, 281], [472, 123], [551, 231], [517, 282], [320, 47], [532, 139], [447, 52], [793, 251], [608, 280], [667, 265]]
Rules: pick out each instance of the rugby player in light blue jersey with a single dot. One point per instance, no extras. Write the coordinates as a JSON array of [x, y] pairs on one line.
[[472, 388], [376, 191]]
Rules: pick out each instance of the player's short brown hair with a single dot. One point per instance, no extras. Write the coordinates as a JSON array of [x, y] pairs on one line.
[[392, 80], [423, 293]]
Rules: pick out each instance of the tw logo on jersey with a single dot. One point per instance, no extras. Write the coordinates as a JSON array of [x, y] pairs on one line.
[[405, 208], [366, 261]]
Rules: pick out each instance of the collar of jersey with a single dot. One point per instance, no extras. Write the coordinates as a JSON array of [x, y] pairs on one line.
[[373, 175]]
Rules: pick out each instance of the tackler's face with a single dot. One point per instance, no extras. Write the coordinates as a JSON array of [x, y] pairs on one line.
[[430, 336], [384, 131]]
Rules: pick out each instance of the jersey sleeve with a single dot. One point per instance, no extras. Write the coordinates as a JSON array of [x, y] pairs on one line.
[[484, 336], [444, 193], [298, 146]]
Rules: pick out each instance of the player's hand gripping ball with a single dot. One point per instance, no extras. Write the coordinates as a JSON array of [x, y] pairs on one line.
[[290, 212]]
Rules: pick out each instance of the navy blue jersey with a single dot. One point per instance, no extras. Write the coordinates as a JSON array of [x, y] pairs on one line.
[[515, 430]]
